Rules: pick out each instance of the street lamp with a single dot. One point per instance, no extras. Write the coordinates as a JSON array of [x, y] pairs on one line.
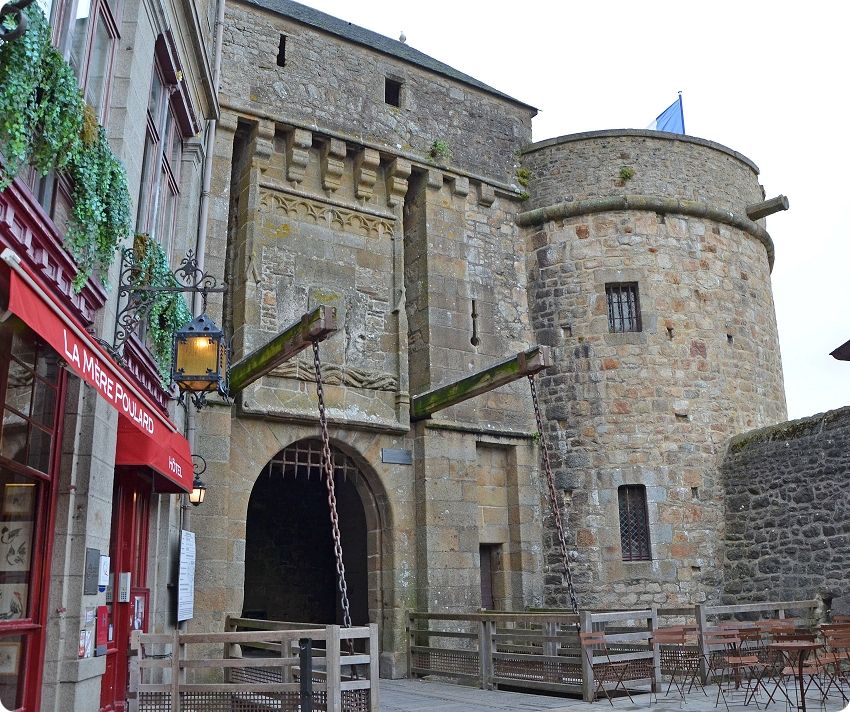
[[199, 360], [199, 491]]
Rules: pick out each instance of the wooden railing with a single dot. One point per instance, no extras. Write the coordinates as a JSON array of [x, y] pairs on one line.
[[540, 650], [256, 666]]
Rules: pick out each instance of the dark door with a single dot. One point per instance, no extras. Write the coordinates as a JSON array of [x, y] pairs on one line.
[[128, 551]]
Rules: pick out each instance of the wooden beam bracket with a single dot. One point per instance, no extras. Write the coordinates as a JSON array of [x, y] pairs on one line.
[[523, 364], [316, 325]]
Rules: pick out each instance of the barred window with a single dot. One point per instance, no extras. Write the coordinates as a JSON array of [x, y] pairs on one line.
[[623, 307], [634, 523]]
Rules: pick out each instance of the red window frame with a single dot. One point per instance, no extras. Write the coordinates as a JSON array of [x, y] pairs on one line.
[[32, 629]]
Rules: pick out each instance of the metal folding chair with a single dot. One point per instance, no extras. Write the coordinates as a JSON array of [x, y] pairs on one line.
[[606, 670]]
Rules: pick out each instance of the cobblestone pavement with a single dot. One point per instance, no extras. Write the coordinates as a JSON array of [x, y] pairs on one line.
[[431, 696]]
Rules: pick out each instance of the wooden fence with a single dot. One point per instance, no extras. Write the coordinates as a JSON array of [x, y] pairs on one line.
[[540, 650], [256, 666]]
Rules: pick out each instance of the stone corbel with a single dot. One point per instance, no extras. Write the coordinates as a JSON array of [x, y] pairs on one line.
[[486, 195], [366, 172], [435, 179], [333, 164], [298, 144], [460, 186], [264, 144], [397, 175], [226, 123]]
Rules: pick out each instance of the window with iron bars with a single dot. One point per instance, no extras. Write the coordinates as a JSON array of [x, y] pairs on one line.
[[623, 307], [634, 523]]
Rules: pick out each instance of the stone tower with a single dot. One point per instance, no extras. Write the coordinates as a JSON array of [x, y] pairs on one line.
[[653, 286]]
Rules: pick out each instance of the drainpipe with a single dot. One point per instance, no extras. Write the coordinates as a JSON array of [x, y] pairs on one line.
[[203, 210]]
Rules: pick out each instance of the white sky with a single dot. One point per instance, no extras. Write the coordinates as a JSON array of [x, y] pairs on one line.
[[768, 79]]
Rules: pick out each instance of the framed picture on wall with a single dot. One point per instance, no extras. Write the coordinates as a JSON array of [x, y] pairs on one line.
[[15, 546], [13, 601], [18, 500], [9, 654]]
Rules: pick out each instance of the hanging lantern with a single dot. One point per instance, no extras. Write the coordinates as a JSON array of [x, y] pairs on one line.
[[199, 359], [199, 491]]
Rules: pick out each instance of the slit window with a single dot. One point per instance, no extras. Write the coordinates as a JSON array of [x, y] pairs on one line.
[[634, 523], [392, 92], [623, 307], [281, 52]]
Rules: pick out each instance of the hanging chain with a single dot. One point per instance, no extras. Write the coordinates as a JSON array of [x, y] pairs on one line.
[[328, 467], [553, 496]]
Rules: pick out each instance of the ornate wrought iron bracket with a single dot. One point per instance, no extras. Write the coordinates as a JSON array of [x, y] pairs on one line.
[[14, 10], [138, 298]]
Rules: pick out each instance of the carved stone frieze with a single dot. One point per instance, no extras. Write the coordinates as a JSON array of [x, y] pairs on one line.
[[334, 375], [332, 216]]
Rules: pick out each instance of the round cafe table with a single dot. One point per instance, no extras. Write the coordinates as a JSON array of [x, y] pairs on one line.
[[802, 648]]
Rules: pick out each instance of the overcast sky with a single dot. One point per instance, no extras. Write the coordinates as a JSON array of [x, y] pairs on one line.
[[768, 79]]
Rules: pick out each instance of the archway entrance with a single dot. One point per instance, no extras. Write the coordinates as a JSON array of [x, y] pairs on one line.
[[290, 570]]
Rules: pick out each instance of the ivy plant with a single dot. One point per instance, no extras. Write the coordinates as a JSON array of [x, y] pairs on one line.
[[46, 123], [168, 310]]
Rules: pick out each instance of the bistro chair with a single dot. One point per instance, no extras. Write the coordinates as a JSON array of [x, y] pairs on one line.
[[834, 661], [678, 659], [605, 671], [729, 663]]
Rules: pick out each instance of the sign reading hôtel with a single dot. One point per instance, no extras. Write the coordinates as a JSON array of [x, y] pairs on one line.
[[91, 369]]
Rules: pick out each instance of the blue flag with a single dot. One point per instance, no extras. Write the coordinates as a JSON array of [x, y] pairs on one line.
[[672, 119]]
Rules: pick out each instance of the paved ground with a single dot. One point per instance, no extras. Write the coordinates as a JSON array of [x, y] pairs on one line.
[[429, 696]]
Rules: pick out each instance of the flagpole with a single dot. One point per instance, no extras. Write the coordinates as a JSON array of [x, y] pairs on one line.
[[682, 112]]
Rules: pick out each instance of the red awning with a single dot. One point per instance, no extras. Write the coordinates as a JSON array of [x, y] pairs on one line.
[[171, 459], [149, 438]]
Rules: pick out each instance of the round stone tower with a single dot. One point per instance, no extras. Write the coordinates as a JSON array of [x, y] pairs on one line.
[[653, 286]]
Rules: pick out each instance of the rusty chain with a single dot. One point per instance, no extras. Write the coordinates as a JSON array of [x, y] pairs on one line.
[[553, 496], [328, 467]]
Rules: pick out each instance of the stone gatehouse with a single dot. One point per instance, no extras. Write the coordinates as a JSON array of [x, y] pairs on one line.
[[354, 171]]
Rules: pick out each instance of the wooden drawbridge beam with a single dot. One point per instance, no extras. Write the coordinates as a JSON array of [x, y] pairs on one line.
[[316, 325], [523, 364]]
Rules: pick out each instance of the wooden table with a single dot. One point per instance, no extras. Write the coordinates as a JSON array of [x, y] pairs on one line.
[[802, 648]]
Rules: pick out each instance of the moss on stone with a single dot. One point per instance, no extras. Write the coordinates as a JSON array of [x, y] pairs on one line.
[[788, 430]]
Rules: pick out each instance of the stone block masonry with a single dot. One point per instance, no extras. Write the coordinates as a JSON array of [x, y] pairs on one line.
[[343, 91], [788, 512], [650, 407]]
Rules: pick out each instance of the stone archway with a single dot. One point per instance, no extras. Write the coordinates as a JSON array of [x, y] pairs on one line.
[[290, 570]]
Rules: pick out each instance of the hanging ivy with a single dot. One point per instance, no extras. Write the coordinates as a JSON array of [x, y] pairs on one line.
[[168, 311], [45, 123]]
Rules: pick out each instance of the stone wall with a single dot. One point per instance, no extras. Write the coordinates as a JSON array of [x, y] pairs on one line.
[[788, 512], [650, 407], [339, 85], [587, 165]]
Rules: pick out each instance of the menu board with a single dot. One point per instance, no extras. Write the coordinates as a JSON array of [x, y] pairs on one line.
[[186, 580]]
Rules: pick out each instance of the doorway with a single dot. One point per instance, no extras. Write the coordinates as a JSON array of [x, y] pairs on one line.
[[290, 568], [128, 552]]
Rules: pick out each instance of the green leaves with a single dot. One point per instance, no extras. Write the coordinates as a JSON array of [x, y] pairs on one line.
[[41, 121], [100, 216], [168, 312]]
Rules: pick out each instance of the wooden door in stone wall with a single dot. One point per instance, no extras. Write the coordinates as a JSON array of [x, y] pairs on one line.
[[290, 569]]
